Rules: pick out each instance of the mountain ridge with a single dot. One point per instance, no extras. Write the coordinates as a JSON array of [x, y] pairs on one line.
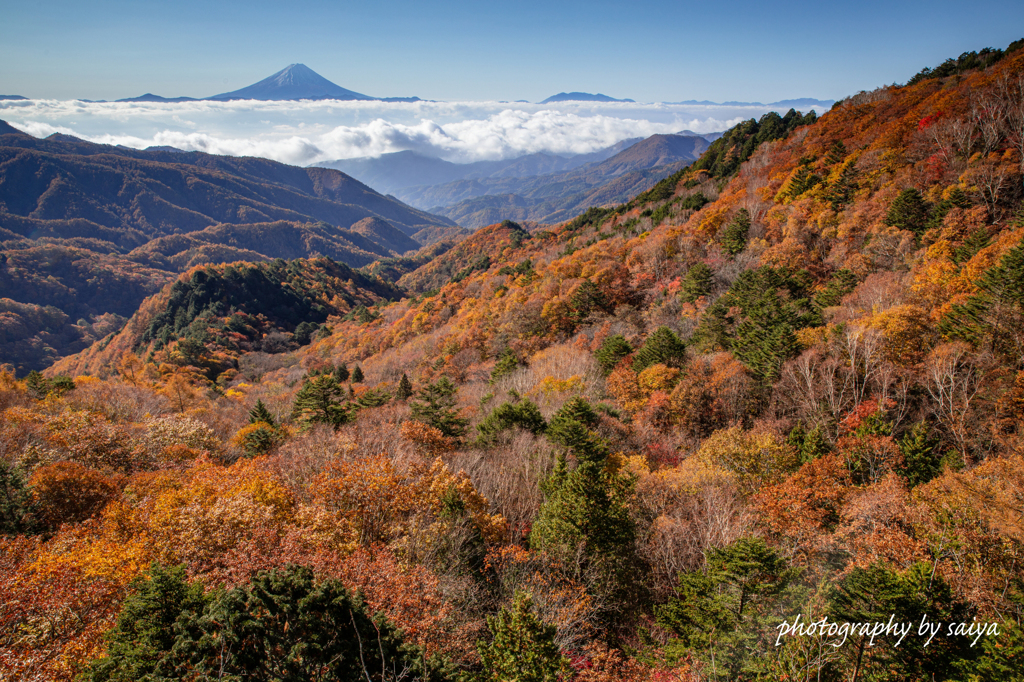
[[87, 230], [581, 97], [559, 196]]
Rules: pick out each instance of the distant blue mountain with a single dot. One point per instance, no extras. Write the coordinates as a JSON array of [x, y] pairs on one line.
[[803, 102], [582, 97], [150, 97], [12, 97], [296, 81]]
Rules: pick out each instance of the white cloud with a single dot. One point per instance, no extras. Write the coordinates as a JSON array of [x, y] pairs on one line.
[[303, 133]]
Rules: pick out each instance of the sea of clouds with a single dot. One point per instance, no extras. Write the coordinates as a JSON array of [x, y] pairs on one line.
[[308, 132]]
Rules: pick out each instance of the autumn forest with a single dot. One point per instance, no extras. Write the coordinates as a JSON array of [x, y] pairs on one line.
[[787, 380]]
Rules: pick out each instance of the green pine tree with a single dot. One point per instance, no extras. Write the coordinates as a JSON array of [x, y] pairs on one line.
[[1000, 657], [522, 647], [921, 459], [611, 352], [908, 211], [357, 375], [696, 284], [286, 626], [435, 406], [587, 299], [584, 519], [663, 346], [733, 236], [404, 391], [506, 364], [836, 153], [876, 594], [341, 373], [17, 511], [955, 198], [726, 612], [144, 635], [975, 242], [994, 317], [260, 413], [523, 414], [842, 283], [840, 193], [757, 319], [373, 397], [317, 402], [37, 385]]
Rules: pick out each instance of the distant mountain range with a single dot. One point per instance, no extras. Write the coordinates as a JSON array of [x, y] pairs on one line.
[[299, 82], [88, 230], [582, 97], [294, 82], [538, 187], [801, 104], [555, 197], [398, 171]]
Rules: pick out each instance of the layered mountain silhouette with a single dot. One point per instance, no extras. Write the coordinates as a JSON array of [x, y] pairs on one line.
[[127, 196], [87, 230], [556, 197], [150, 97], [582, 97], [537, 187], [801, 103], [294, 82], [392, 173]]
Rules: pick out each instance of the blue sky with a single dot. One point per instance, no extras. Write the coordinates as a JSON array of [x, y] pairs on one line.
[[647, 50]]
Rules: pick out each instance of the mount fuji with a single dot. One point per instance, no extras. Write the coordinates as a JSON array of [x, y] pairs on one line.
[[296, 81]]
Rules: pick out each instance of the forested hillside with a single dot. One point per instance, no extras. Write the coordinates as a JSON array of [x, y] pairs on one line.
[[786, 380], [88, 231]]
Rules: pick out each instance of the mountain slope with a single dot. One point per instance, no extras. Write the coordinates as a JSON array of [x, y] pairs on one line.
[[130, 196], [75, 216], [212, 314], [808, 342]]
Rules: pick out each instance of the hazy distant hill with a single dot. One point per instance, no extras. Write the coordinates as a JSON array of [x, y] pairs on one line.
[[294, 82], [801, 103], [582, 97], [559, 196], [150, 97], [394, 172]]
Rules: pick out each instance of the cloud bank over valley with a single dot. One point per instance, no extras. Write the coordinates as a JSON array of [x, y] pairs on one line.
[[307, 132]]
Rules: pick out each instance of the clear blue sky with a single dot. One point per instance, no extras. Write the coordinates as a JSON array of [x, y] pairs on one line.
[[647, 50]]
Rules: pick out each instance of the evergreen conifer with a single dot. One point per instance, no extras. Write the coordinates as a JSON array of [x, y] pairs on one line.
[[404, 388], [663, 346], [435, 406], [522, 647], [611, 352]]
